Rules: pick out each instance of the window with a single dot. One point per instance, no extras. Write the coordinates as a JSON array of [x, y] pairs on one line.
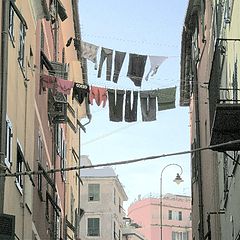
[[42, 38], [39, 181], [21, 44], [63, 160], [40, 149], [93, 227], [72, 206], [93, 192], [19, 168], [174, 215], [11, 22], [180, 216], [180, 236], [235, 83], [114, 196], [120, 205], [228, 10], [225, 175], [8, 146]]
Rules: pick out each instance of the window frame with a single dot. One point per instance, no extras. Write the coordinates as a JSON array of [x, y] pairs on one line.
[[11, 23], [9, 143], [19, 168], [92, 194], [88, 227], [21, 51]]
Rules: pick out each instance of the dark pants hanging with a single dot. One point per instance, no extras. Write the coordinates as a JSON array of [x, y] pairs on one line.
[[148, 105], [106, 54], [131, 110], [118, 62], [115, 100], [136, 67]]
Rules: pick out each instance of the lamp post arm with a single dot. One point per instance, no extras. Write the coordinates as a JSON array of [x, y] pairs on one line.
[[161, 203]]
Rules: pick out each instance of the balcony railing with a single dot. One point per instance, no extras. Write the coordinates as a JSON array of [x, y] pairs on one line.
[[225, 112]]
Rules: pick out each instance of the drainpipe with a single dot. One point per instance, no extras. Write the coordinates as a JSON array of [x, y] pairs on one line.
[[3, 95], [198, 153]]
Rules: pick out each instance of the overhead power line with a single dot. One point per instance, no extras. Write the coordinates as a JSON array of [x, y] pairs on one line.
[[119, 162]]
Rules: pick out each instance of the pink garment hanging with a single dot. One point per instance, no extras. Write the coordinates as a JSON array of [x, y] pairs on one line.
[[64, 86], [48, 81], [99, 94]]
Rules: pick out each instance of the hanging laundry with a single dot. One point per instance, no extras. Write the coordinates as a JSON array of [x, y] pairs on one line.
[[155, 62], [115, 100], [64, 86], [89, 51], [166, 98], [136, 67], [99, 94], [131, 110], [80, 92], [148, 105], [118, 62], [106, 54], [47, 81]]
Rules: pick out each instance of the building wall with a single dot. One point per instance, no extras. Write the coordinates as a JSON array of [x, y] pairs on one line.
[[146, 213], [230, 218], [20, 112], [108, 211]]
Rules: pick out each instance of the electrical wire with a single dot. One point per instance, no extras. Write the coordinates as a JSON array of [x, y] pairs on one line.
[[121, 162]]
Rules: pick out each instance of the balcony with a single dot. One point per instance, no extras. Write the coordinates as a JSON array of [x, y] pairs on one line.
[[225, 125], [57, 107]]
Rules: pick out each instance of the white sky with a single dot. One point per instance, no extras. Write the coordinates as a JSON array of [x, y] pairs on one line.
[[150, 27]]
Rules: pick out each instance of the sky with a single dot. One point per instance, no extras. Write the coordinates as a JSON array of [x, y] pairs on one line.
[[150, 27]]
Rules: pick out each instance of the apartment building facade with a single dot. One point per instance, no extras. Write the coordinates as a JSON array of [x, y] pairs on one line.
[[209, 86], [176, 217], [40, 127], [101, 197]]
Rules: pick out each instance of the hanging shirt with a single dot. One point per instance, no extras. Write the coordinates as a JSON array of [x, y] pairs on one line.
[[64, 86], [136, 67], [89, 51], [115, 100], [131, 109], [155, 62], [80, 92], [166, 98], [148, 105], [99, 94]]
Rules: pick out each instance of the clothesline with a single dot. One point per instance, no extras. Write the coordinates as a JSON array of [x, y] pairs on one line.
[[150, 100], [128, 40]]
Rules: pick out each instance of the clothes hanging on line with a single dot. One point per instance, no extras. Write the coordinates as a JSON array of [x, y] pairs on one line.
[[118, 62], [106, 54], [136, 67], [148, 105], [131, 109], [55, 83], [155, 62], [47, 81], [166, 98], [89, 51], [115, 100], [80, 92], [64, 86], [99, 94]]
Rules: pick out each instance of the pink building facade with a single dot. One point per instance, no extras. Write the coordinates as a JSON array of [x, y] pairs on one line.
[[176, 214]]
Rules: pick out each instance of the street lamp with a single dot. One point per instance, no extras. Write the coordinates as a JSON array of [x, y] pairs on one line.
[[177, 180]]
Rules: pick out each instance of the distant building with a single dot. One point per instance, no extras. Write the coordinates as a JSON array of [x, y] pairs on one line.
[[176, 217], [101, 197]]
